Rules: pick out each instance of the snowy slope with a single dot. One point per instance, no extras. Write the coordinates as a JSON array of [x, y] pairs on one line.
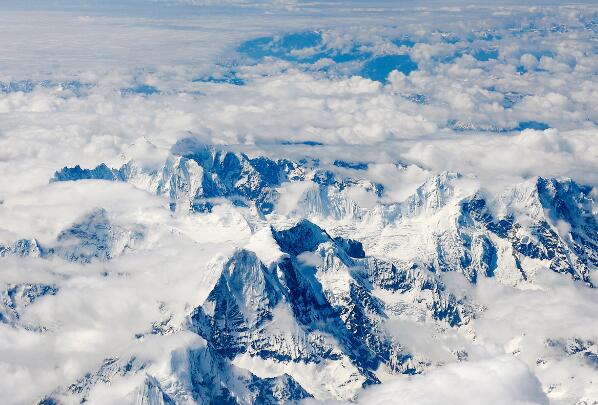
[[272, 202], [302, 310]]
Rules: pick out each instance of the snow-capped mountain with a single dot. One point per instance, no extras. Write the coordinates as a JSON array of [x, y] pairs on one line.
[[95, 237], [309, 306], [542, 219], [279, 202]]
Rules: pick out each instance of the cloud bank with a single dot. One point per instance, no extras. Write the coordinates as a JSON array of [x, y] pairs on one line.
[[393, 98]]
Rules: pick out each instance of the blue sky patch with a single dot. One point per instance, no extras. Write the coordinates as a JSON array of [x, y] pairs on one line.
[[379, 68]]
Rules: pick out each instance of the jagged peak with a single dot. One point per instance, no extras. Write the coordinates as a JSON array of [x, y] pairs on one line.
[[301, 237], [442, 183], [305, 236], [246, 279], [215, 379], [17, 297], [95, 223], [100, 172], [22, 248], [195, 172], [151, 393], [565, 199], [535, 196], [353, 248], [94, 236], [243, 262], [433, 194]]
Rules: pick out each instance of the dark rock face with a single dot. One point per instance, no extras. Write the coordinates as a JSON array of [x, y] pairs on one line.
[[327, 300], [211, 379], [215, 381], [17, 297], [217, 174], [101, 172], [330, 322], [224, 175], [22, 248], [305, 236], [564, 202]]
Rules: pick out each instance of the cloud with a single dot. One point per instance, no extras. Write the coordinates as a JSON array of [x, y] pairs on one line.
[[498, 381], [456, 112]]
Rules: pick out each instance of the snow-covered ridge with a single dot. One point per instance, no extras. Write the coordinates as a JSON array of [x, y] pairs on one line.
[[317, 309], [383, 211], [307, 307], [94, 237], [460, 228], [195, 176]]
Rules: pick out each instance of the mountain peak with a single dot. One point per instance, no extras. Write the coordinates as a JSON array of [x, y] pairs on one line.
[[303, 236]]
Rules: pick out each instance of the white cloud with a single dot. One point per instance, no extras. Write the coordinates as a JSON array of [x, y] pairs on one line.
[[100, 307], [500, 381]]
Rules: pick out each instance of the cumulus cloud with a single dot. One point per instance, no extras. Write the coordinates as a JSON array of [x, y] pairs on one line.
[[500, 95], [498, 381]]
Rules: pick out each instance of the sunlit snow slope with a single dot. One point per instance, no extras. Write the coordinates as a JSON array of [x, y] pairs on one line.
[[276, 202]]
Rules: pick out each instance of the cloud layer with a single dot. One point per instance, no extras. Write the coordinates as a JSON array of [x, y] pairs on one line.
[[499, 94]]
